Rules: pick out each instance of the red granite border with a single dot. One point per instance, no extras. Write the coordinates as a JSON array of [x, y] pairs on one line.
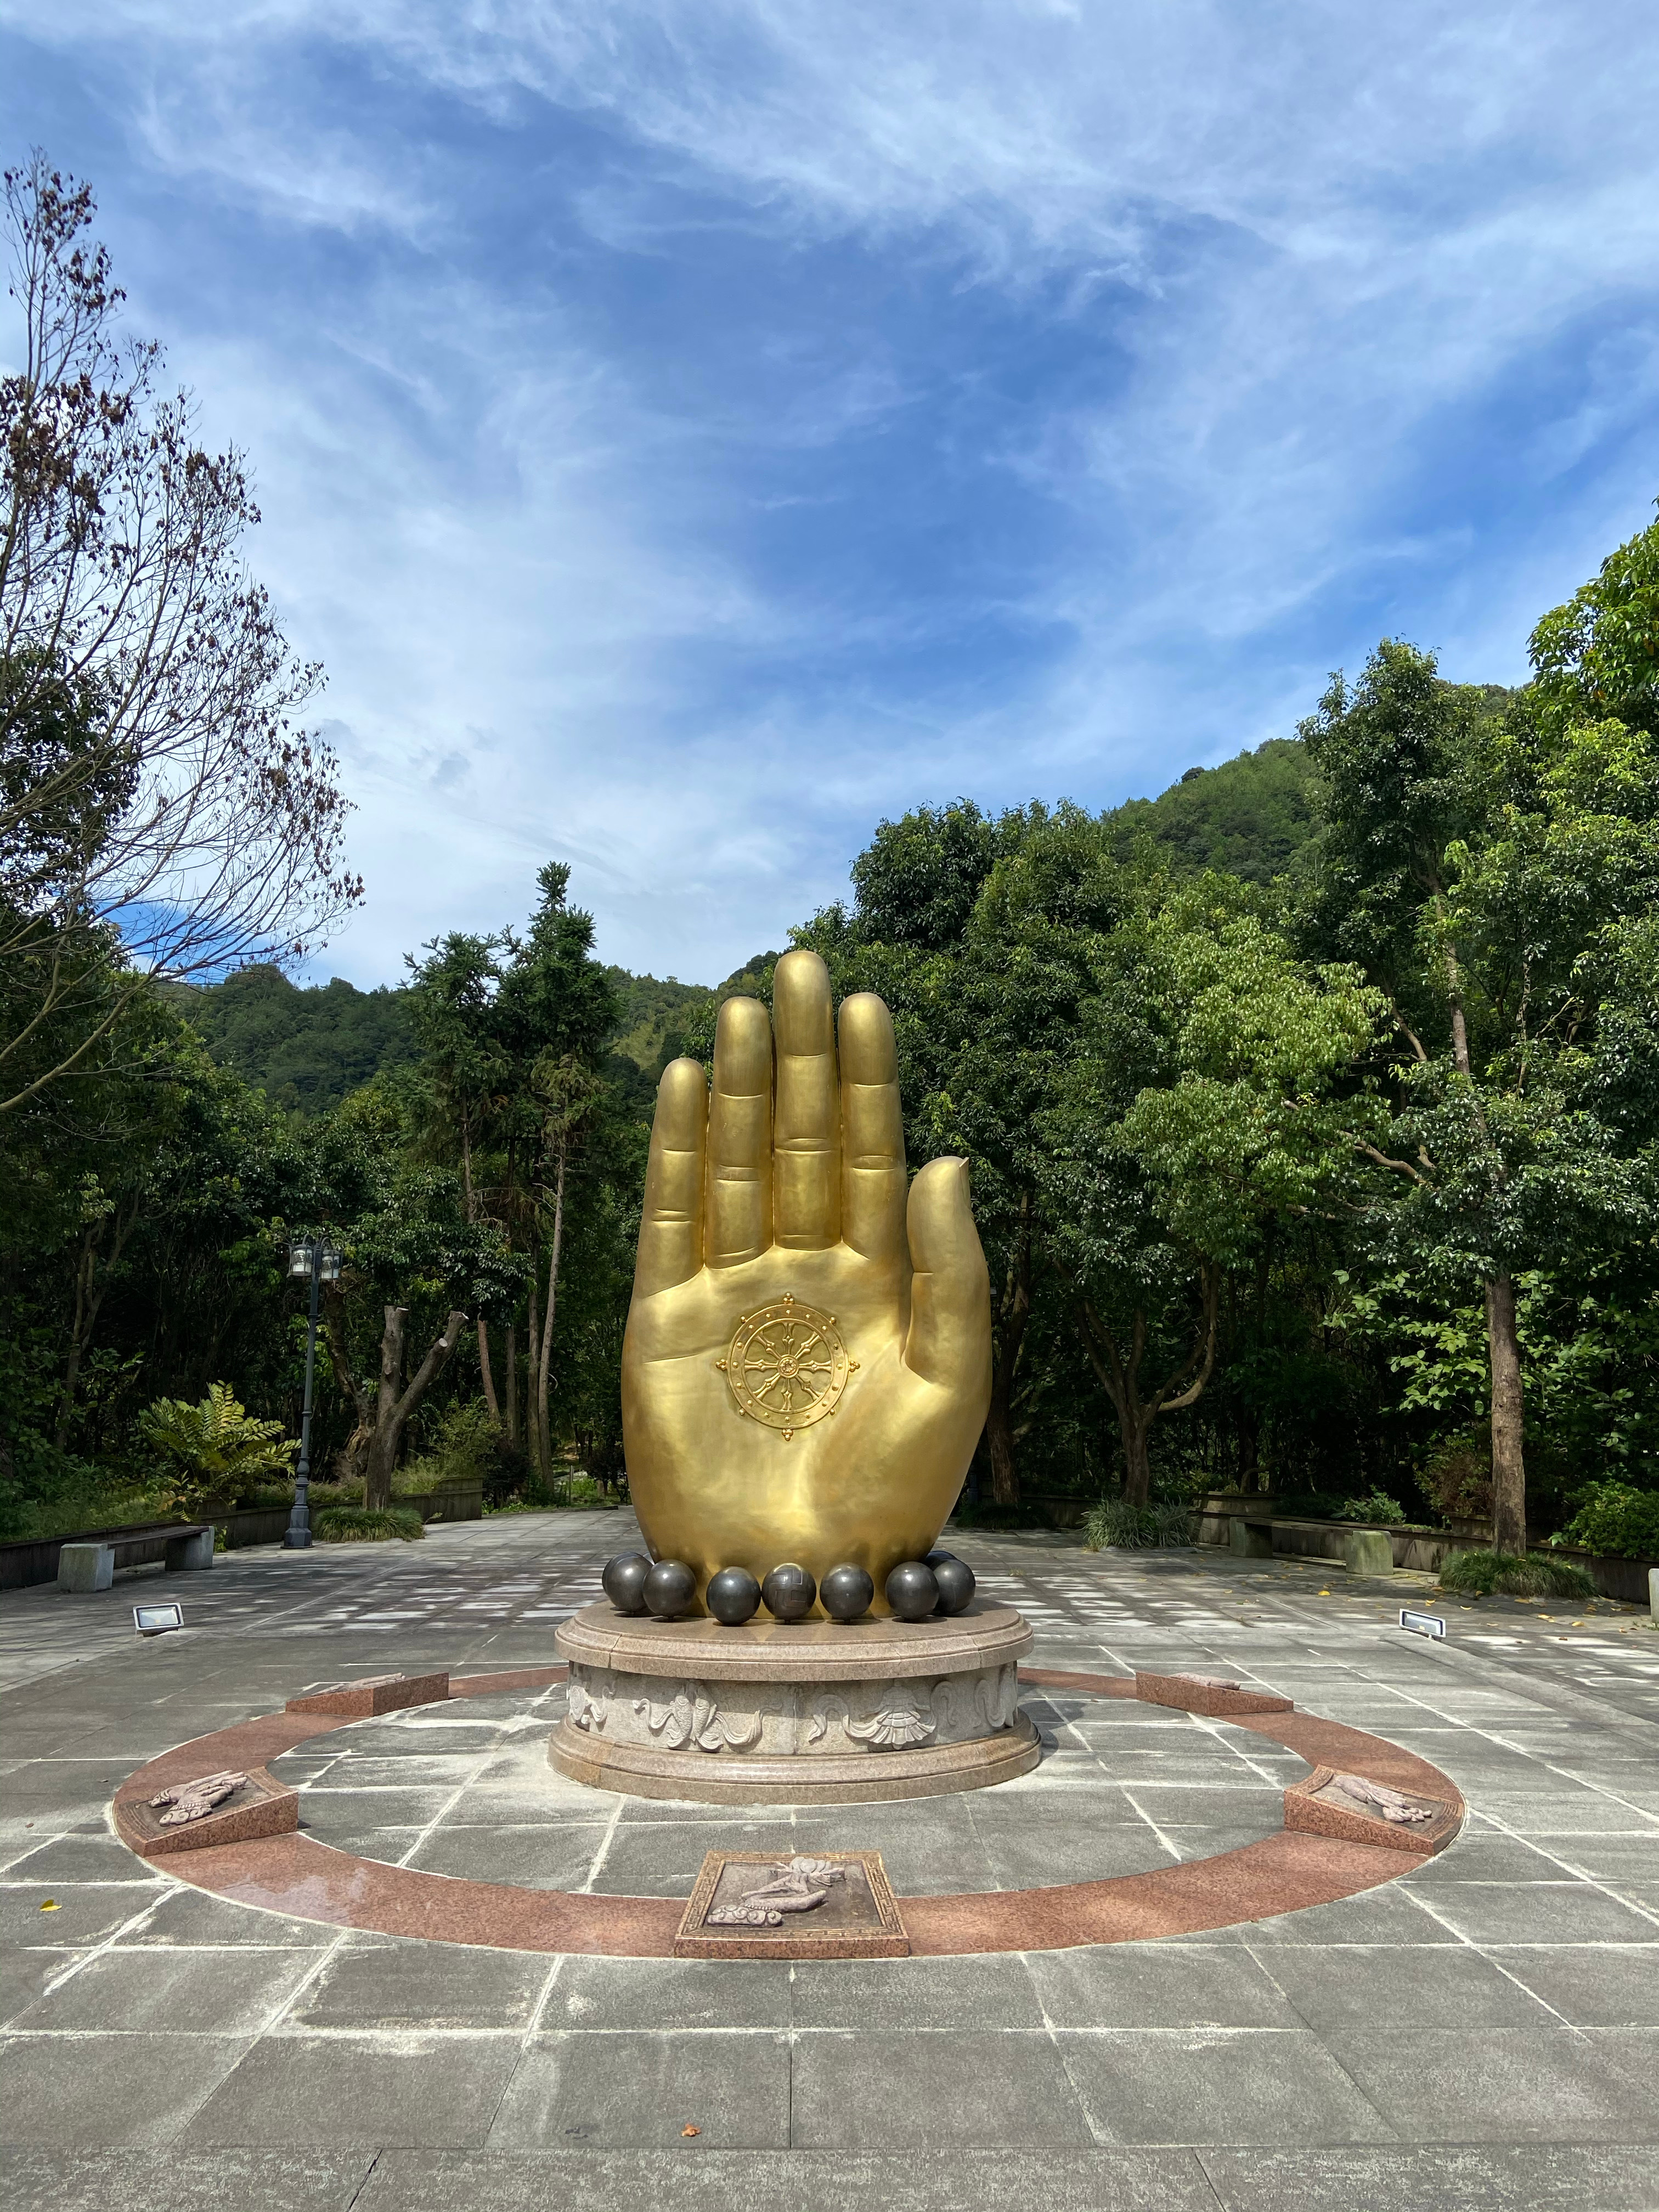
[[305, 1880]]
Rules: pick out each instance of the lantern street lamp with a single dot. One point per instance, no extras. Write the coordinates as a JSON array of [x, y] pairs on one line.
[[319, 1263]]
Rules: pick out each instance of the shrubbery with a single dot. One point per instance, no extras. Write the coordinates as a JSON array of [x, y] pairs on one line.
[[1137, 1528], [1616, 1521], [367, 1524], [1327, 1505], [1477, 1574]]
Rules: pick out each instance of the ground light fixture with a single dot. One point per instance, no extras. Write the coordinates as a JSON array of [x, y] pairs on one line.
[[313, 1260]]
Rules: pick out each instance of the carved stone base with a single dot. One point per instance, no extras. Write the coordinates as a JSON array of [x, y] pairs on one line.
[[816, 1713]]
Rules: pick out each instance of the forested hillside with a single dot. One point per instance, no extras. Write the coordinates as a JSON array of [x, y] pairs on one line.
[[1338, 1180], [1250, 816], [306, 1047]]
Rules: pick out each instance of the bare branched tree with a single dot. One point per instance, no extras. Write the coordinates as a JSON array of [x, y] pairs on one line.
[[161, 813]]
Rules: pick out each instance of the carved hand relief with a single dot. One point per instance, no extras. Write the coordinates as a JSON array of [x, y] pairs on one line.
[[190, 1799], [1377, 1797], [798, 1888], [692, 1716]]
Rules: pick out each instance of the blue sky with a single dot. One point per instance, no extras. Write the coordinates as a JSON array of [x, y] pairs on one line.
[[688, 433]]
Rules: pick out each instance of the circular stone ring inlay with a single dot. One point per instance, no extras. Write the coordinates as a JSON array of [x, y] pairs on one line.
[[295, 1875]]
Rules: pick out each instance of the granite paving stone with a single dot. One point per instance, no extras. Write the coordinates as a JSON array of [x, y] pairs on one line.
[[1482, 2031], [633, 2088], [339, 2087], [1591, 1985], [1203, 2085], [1169, 1985], [1503, 2085], [165, 1991], [377, 1981], [933, 2091], [79, 2090]]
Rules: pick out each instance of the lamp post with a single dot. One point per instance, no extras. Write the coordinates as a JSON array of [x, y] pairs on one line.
[[321, 1264]]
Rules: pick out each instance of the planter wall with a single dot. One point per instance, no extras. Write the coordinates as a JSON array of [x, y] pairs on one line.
[[1426, 1550], [23, 1566]]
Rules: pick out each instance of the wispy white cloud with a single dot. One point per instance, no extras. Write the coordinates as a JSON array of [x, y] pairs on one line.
[[688, 431]]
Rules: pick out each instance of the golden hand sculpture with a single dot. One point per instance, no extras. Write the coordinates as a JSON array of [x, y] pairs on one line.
[[808, 1357]]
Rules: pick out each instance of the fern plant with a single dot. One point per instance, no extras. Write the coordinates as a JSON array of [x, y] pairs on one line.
[[211, 1452]]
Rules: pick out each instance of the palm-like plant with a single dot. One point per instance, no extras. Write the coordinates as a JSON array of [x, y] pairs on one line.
[[213, 1451]]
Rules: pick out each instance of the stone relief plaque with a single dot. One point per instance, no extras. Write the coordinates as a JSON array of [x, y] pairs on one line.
[[206, 1809], [779, 1905], [1353, 1808]]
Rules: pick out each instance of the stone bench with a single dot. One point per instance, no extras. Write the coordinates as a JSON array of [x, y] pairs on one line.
[[188, 1549], [1250, 1536]]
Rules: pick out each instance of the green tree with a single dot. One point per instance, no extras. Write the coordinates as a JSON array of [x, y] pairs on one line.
[[1210, 1102], [154, 794], [1497, 876], [1139, 1071], [558, 1009]]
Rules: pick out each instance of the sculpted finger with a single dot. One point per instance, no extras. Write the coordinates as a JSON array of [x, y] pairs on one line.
[[738, 1208], [950, 1339], [806, 1129], [670, 1226], [871, 1130]]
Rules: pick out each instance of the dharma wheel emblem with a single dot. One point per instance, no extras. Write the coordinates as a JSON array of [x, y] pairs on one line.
[[787, 1366]]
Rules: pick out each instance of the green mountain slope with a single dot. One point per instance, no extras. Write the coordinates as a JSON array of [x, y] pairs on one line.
[[304, 1048], [1249, 815]]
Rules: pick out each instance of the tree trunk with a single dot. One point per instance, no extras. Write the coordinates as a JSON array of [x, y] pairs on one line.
[[88, 1298], [1000, 1436], [394, 1408], [532, 1343], [485, 1375], [1007, 1335], [543, 1373], [1509, 1473], [353, 1458], [1120, 1377], [512, 1384], [1136, 1432], [485, 1372]]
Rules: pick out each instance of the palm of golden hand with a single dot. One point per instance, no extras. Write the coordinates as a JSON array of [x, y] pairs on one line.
[[790, 1193]]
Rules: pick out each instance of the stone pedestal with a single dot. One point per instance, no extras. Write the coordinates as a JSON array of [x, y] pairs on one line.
[[1368, 1552], [192, 1554], [86, 1567], [812, 1713], [1250, 1540]]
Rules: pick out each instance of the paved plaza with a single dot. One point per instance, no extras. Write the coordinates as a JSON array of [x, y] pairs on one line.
[[1481, 2031]]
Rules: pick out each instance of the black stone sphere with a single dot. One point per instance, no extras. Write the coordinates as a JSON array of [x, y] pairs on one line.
[[955, 1583], [912, 1592], [733, 1595], [845, 1593], [938, 1554], [624, 1581], [789, 1591], [669, 1588]]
